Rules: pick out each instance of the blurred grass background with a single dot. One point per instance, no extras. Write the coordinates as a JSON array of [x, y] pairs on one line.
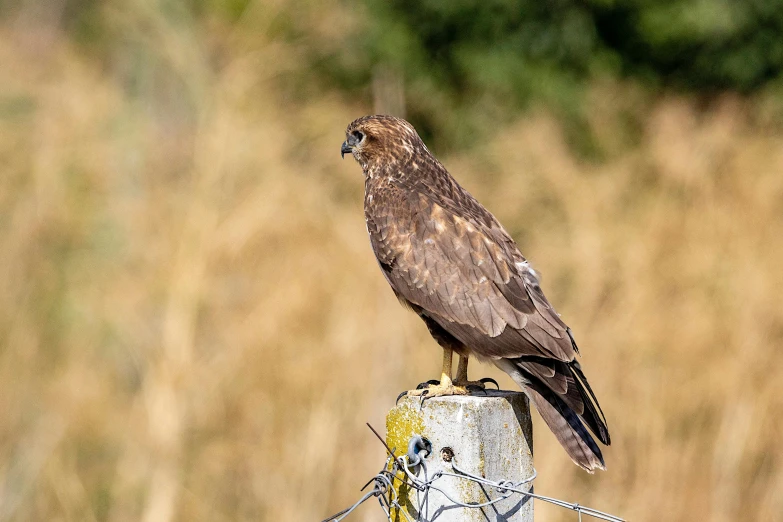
[[192, 325]]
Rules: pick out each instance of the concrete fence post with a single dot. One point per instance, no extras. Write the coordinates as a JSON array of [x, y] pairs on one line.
[[490, 436]]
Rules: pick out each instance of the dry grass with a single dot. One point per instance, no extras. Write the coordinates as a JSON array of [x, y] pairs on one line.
[[192, 326]]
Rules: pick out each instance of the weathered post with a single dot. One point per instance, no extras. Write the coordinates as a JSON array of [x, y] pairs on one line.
[[488, 436]]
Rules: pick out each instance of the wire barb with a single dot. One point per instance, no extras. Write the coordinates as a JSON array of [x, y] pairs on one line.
[[402, 469]]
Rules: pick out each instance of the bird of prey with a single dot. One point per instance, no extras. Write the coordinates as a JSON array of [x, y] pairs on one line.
[[451, 261]]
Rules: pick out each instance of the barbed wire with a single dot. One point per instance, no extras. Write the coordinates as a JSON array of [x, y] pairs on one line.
[[400, 469]]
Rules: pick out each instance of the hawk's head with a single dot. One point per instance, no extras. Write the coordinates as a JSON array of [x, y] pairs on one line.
[[379, 140]]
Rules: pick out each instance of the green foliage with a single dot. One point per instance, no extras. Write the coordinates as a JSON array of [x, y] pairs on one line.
[[475, 63], [697, 44], [472, 64]]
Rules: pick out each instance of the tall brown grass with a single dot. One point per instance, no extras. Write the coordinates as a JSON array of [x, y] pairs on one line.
[[192, 326]]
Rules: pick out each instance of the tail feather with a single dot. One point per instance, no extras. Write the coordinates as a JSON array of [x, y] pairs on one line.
[[566, 414], [568, 429], [568, 382], [594, 415]]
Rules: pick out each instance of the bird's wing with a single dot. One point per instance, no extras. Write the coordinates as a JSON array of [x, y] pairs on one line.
[[468, 275]]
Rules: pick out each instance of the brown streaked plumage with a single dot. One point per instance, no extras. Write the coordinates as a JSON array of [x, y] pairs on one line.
[[448, 258]]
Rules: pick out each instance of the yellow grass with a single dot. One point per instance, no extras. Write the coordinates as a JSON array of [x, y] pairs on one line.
[[193, 327]]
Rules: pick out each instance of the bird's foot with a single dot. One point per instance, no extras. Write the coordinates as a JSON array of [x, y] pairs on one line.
[[479, 385], [417, 391], [432, 389]]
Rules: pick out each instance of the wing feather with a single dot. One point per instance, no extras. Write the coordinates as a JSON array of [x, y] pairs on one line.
[[469, 276]]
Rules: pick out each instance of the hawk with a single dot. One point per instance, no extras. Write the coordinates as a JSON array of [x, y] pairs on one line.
[[448, 259]]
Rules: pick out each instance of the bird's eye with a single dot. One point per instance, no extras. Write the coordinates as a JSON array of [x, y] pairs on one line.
[[358, 136]]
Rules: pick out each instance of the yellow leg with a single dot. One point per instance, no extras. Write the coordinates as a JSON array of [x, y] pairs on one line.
[[446, 387], [445, 376], [462, 375], [462, 369]]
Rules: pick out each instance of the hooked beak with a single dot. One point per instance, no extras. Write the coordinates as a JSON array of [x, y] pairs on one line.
[[345, 149]]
